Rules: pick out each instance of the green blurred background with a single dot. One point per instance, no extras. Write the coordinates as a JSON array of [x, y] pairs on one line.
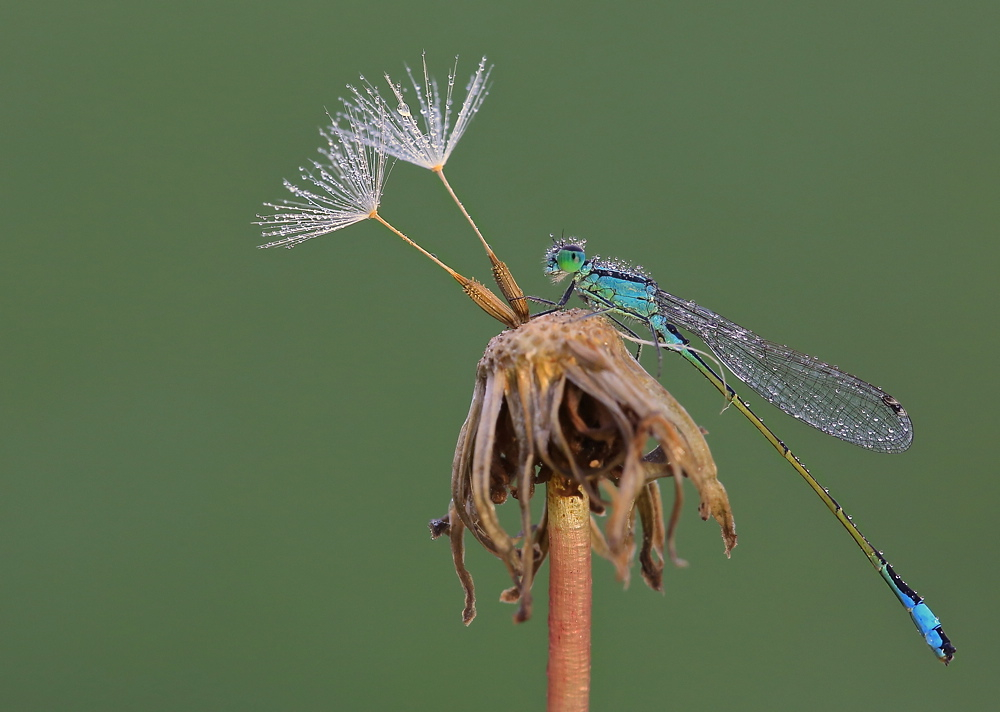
[[218, 462]]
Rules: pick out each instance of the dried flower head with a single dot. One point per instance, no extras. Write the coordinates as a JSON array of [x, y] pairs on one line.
[[350, 182], [426, 133], [562, 396]]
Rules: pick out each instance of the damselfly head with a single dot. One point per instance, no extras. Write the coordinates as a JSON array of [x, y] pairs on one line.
[[566, 256]]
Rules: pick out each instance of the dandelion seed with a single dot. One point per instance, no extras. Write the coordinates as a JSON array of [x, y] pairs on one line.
[[429, 140], [350, 182]]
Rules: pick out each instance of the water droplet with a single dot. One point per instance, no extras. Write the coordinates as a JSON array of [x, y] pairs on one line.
[[403, 109]]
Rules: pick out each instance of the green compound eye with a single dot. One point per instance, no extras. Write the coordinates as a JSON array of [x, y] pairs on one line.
[[570, 258]]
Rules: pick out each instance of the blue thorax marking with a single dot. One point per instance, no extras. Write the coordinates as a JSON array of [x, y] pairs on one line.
[[629, 294], [633, 295]]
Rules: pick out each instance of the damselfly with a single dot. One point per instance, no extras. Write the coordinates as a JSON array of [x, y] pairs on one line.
[[817, 393]]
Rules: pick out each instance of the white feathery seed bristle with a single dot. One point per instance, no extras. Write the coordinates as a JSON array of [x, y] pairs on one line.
[[350, 182], [424, 132]]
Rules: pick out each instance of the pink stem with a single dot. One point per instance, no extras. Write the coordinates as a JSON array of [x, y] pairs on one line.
[[569, 596]]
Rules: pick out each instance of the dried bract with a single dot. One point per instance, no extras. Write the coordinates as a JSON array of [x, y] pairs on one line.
[[562, 394]]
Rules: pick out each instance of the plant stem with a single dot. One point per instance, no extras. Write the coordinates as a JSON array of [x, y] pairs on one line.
[[569, 596]]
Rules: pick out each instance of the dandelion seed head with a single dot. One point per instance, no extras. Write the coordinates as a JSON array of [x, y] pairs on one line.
[[348, 185], [428, 137], [562, 396]]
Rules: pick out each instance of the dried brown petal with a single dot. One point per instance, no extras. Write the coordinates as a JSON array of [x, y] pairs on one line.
[[562, 395]]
